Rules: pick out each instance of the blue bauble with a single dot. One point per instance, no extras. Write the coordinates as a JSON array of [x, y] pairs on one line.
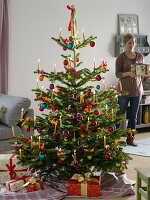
[[98, 87], [109, 103], [42, 156], [43, 105], [88, 138], [70, 45]]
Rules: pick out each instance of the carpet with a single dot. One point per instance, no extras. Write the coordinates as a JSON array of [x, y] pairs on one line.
[[143, 148]]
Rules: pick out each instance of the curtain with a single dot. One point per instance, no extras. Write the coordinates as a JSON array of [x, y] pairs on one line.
[[3, 47]]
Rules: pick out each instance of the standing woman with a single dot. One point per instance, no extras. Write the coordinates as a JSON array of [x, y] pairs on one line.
[[129, 82]]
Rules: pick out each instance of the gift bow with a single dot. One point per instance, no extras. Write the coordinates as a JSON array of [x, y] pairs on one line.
[[31, 180], [84, 178]]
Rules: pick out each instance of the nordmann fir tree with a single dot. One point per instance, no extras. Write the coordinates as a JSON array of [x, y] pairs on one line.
[[78, 134]]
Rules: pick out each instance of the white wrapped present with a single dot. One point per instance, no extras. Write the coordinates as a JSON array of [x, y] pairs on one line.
[[14, 185], [10, 169]]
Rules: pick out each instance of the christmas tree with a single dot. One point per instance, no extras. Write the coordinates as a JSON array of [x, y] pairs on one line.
[[77, 134]]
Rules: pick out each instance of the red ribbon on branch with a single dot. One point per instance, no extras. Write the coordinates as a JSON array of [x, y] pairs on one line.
[[71, 23]]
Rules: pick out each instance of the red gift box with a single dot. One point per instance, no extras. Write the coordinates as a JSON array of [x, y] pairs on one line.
[[85, 188], [38, 185]]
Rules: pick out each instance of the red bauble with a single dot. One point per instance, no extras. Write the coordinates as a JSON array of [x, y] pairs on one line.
[[107, 155], [92, 44], [111, 129], [70, 95], [28, 129], [88, 102], [89, 91], [64, 48], [96, 112], [83, 127], [65, 62], [131, 137], [74, 166], [59, 161], [94, 123], [41, 109], [71, 118], [54, 107]]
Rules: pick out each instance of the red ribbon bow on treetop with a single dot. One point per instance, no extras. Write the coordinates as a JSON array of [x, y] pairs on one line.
[[71, 23]]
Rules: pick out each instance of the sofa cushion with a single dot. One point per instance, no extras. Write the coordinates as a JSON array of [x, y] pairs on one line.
[[6, 132], [2, 110], [14, 105]]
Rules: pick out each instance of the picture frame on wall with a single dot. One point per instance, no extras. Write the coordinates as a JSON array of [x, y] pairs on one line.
[[128, 23]]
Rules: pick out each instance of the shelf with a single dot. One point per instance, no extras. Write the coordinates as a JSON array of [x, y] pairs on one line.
[[143, 125]]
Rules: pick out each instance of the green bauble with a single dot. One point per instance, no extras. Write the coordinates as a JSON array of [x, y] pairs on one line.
[[89, 157], [74, 140]]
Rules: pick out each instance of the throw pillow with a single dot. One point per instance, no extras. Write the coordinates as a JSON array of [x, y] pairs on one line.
[[14, 105]]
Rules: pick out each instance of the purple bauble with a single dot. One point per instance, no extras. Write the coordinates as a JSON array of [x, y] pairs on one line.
[[39, 130], [65, 133], [32, 171], [98, 77], [51, 86]]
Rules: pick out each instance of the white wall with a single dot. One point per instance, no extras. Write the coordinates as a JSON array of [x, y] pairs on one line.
[[34, 22]]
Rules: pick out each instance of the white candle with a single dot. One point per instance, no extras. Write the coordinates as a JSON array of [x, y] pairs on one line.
[[42, 91], [13, 131], [38, 64], [60, 33], [104, 141], [37, 83], [31, 142], [94, 64], [21, 116], [83, 34], [20, 153], [55, 69], [39, 142]]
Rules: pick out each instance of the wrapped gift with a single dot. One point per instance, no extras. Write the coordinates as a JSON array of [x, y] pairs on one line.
[[16, 184], [34, 184], [78, 186], [141, 69], [10, 169]]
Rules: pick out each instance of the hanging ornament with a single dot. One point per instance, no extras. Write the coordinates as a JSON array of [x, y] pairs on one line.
[[54, 107], [41, 78], [87, 109], [92, 43], [79, 117], [98, 87], [70, 95], [65, 133], [65, 139], [111, 129], [51, 86], [96, 112], [42, 156], [64, 48], [94, 123], [98, 77], [82, 127], [53, 121], [70, 45], [89, 138], [130, 138], [89, 91], [39, 130], [58, 91], [89, 157], [109, 103], [122, 168], [71, 118], [65, 62], [107, 155], [82, 135], [27, 129], [74, 140], [59, 161], [41, 109], [43, 105], [77, 59]]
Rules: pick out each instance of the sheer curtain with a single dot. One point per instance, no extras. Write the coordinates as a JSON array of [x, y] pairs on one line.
[[3, 47]]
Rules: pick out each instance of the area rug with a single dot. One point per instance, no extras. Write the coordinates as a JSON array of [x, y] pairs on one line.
[[113, 185], [143, 148]]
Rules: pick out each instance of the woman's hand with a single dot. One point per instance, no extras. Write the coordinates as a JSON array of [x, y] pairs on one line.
[[131, 74]]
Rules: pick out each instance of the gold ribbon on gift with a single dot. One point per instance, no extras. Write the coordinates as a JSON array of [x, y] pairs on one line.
[[83, 180]]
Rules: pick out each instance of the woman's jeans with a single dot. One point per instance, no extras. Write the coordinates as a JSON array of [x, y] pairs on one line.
[[134, 106]]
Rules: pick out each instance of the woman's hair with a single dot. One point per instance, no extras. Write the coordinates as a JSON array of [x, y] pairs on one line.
[[127, 37]]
